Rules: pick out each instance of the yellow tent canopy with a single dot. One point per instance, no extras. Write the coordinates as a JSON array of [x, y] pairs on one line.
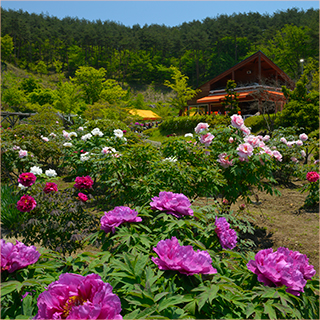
[[145, 114]]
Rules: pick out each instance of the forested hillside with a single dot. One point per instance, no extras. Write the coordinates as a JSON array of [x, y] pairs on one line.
[[143, 54]]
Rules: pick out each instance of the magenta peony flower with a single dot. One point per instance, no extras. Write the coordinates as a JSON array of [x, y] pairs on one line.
[[176, 204], [27, 179], [82, 197], [224, 160], [83, 182], [236, 121], [78, 297], [206, 138], [173, 256], [227, 236], [201, 127], [312, 176], [115, 217], [50, 187], [245, 150], [26, 203], [18, 256], [282, 267]]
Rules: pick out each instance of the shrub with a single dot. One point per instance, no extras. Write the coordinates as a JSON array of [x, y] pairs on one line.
[[182, 125], [11, 217], [58, 222]]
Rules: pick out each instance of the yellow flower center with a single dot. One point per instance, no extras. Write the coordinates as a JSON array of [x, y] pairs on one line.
[[71, 302]]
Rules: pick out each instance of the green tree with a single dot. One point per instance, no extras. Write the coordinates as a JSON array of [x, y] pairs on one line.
[[6, 47], [41, 68], [231, 101], [288, 47], [179, 84], [91, 82], [68, 98], [302, 108]]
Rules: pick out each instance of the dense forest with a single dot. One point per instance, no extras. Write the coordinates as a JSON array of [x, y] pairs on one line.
[[201, 50]]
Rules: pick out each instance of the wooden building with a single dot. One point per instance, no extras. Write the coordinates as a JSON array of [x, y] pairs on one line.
[[258, 80]]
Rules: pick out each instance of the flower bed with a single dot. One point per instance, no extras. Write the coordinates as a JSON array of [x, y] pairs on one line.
[[161, 256]]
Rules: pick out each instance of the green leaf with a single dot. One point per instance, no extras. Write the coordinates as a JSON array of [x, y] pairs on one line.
[[146, 312], [250, 309], [268, 309], [27, 306], [172, 301], [10, 286], [132, 315]]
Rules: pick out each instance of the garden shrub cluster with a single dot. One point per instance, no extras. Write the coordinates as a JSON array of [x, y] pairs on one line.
[[161, 256]]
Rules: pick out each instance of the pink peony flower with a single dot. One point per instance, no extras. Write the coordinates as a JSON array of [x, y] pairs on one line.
[[246, 131], [303, 137], [173, 256], [299, 143], [266, 138], [253, 140], [27, 179], [312, 176], [26, 203], [83, 182], [303, 153], [295, 160], [282, 267], [18, 256], [50, 187], [23, 153], [201, 127], [176, 204], [206, 138], [237, 121], [227, 236], [245, 150], [224, 160], [277, 155], [117, 216], [284, 140], [82, 197], [231, 139], [78, 297]]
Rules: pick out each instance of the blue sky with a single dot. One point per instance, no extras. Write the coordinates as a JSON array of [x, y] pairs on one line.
[[169, 13]]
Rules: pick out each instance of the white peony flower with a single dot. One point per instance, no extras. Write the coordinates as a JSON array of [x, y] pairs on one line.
[[80, 129], [97, 132], [85, 156], [118, 133], [51, 173], [36, 170], [21, 186], [86, 137], [52, 135], [67, 144], [73, 134], [45, 139], [171, 159], [188, 135]]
